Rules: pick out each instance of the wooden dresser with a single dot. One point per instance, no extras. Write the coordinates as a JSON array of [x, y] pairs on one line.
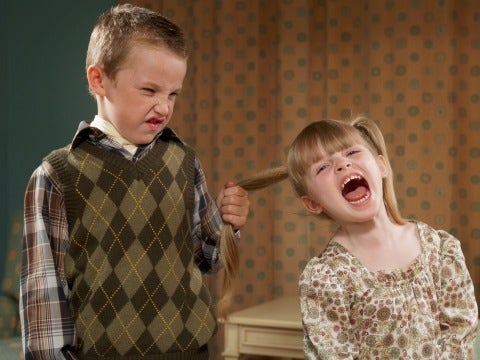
[[273, 328]]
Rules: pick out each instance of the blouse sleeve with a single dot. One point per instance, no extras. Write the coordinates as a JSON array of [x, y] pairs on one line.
[[458, 308], [325, 314]]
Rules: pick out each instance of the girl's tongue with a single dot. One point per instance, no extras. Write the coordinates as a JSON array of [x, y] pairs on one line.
[[355, 189], [356, 194]]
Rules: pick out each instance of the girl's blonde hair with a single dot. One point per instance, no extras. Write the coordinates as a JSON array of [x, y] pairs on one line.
[[229, 253], [313, 142], [328, 136]]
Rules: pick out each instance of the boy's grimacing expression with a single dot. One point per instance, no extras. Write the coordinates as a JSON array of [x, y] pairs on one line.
[[346, 185], [139, 101]]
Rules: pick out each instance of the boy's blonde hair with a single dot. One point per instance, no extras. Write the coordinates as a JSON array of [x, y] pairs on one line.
[[119, 28]]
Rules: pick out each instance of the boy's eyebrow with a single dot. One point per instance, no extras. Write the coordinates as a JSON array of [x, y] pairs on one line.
[[152, 84]]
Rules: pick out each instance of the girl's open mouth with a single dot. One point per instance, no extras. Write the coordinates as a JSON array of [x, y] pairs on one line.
[[355, 189]]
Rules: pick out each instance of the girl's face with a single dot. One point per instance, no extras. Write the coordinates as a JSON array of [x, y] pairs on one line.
[[139, 102], [346, 185]]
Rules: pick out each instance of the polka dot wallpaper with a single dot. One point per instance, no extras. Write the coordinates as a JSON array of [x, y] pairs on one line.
[[259, 71]]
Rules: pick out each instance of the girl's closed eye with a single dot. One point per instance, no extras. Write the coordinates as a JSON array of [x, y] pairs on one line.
[[353, 151], [321, 167]]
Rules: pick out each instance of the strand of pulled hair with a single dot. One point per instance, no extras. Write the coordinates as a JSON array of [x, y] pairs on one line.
[[229, 252]]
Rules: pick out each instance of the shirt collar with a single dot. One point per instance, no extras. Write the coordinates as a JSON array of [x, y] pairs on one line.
[[86, 129]]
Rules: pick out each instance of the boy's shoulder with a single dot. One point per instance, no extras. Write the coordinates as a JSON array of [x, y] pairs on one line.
[[169, 134], [57, 156]]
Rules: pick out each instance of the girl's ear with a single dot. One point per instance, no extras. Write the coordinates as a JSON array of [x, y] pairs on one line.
[[311, 205], [95, 77], [382, 164]]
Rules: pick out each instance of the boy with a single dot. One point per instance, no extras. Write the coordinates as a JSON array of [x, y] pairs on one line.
[[119, 226]]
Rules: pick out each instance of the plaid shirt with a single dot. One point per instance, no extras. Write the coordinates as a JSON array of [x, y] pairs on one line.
[[47, 324]]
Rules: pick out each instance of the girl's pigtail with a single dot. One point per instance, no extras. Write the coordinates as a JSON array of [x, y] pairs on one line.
[[372, 134], [229, 253]]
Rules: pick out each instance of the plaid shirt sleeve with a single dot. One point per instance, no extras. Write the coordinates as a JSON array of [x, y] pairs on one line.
[[207, 225], [47, 325]]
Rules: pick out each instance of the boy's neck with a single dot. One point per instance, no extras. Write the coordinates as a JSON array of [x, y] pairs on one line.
[[108, 129]]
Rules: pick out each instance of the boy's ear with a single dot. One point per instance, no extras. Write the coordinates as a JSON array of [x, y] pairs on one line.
[[95, 77], [311, 205]]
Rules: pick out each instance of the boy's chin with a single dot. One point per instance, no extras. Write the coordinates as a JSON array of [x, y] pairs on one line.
[[145, 140]]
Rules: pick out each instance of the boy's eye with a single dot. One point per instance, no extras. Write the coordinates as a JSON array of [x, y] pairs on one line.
[[352, 152], [148, 90]]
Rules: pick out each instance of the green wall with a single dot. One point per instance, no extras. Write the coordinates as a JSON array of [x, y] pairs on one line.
[[43, 88]]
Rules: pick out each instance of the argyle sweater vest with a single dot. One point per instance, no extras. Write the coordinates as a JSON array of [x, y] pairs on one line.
[[135, 290]]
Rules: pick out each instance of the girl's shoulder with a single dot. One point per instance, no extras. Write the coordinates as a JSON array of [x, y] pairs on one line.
[[437, 245], [335, 262], [435, 238]]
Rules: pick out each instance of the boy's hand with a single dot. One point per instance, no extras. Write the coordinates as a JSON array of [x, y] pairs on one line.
[[233, 204]]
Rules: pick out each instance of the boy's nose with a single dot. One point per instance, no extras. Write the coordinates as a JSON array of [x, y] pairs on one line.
[[162, 107]]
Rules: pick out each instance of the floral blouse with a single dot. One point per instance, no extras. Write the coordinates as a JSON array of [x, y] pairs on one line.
[[426, 312]]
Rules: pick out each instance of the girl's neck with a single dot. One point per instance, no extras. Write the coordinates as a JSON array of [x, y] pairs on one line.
[[381, 245], [367, 234]]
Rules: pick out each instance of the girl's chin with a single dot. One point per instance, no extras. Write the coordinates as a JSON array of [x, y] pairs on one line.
[[364, 212]]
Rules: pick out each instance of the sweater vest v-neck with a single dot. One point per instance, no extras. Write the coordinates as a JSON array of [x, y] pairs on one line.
[[135, 289]]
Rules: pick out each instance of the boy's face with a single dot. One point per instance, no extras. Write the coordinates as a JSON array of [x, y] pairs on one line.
[[139, 102]]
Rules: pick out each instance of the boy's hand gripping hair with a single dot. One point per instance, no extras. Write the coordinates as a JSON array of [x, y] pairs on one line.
[[229, 253]]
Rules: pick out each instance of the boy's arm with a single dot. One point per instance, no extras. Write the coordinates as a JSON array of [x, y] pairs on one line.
[[233, 204], [458, 308], [207, 222], [207, 219], [47, 325]]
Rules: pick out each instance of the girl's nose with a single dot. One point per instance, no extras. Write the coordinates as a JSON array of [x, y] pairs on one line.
[[342, 164]]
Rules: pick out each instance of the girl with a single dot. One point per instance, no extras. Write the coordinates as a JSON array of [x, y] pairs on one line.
[[384, 287]]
